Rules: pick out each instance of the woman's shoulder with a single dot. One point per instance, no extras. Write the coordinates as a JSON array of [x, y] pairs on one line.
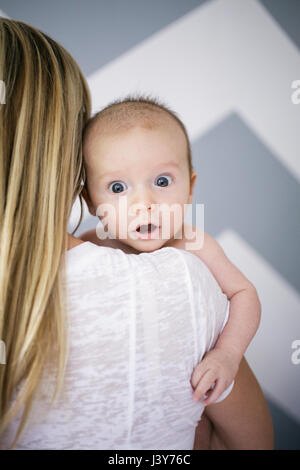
[[73, 241], [86, 255]]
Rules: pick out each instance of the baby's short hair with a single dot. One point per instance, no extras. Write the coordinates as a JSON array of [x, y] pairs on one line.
[[128, 112]]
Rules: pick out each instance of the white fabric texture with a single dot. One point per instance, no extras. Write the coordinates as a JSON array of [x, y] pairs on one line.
[[138, 325]]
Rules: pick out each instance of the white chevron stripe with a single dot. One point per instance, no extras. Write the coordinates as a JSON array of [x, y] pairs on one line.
[[224, 56], [4, 15], [269, 354]]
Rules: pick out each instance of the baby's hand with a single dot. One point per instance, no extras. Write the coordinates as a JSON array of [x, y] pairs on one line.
[[217, 369]]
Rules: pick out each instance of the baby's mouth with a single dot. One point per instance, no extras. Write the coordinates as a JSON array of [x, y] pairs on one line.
[[146, 228], [147, 232]]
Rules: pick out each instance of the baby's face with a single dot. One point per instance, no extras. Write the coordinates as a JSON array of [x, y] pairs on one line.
[[139, 174]]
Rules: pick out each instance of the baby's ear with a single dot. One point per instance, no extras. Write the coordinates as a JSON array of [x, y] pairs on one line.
[[193, 179], [86, 197]]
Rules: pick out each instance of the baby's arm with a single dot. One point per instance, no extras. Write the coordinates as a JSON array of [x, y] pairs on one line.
[[220, 365]]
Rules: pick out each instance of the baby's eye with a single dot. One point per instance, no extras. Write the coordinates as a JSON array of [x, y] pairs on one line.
[[117, 186], [162, 181]]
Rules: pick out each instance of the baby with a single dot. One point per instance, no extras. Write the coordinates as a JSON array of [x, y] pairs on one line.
[[137, 155]]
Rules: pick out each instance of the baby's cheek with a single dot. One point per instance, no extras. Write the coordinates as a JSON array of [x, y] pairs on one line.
[[108, 223], [172, 227]]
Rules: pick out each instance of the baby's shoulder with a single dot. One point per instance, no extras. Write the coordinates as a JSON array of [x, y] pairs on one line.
[[89, 236], [194, 240]]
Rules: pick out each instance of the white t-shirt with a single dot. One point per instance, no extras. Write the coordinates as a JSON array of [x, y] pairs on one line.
[[138, 325]]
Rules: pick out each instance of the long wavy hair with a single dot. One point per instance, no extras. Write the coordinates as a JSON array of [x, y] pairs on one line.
[[46, 107]]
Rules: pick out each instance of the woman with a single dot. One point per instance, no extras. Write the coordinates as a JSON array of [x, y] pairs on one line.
[[99, 361]]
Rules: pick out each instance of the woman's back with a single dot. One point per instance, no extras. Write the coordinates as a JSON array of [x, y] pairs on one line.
[[131, 354]]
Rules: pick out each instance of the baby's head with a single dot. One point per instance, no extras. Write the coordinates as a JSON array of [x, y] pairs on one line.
[[138, 166]]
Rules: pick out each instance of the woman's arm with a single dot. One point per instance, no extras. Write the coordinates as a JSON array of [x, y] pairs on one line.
[[241, 421]]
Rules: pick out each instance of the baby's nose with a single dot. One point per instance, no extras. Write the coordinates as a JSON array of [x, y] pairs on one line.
[[143, 200], [144, 206], [142, 209]]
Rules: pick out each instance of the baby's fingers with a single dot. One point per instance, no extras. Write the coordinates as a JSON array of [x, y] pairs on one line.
[[215, 393], [204, 385], [199, 371]]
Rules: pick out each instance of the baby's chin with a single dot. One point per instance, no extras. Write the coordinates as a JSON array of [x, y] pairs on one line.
[[144, 246]]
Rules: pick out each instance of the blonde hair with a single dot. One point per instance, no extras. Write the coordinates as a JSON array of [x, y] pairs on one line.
[[47, 105]]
